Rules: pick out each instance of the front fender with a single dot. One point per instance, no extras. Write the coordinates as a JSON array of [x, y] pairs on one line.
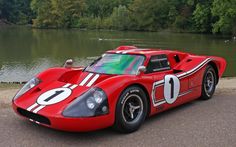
[[58, 73], [114, 86], [52, 74]]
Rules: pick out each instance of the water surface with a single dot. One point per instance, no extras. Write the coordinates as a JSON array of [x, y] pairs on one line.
[[25, 52]]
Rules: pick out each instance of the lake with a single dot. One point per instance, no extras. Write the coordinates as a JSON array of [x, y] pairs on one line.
[[24, 52]]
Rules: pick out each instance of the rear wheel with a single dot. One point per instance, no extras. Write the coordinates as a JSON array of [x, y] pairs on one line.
[[208, 83], [131, 110]]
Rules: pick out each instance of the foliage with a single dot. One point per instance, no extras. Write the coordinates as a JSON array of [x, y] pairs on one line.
[[225, 12], [211, 16], [42, 10], [150, 14], [16, 11], [103, 8], [119, 18], [57, 13], [202, 17]]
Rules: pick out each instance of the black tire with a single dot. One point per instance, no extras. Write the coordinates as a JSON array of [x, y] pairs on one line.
[[128, 103], [208, 83]]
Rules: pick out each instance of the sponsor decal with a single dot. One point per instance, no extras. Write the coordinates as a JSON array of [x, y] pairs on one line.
[[136, 90], [126, 95]]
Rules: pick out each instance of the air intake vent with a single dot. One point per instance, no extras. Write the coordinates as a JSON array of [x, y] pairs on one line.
[[33, 116]]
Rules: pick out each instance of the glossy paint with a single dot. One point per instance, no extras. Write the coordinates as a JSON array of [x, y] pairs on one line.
[[189, 72]]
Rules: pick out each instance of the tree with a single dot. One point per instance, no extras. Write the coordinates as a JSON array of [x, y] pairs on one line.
[[1, 7], [57, 13], [217, 16], [150, 14], [120, 18], [42, 9], [25, 14], [67, 13], [202, 17], [183, 19], [225, 13], [104, 8], [16, 11]]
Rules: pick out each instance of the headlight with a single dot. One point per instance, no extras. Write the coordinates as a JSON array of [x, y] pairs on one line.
[[92, 103], [29, 85]]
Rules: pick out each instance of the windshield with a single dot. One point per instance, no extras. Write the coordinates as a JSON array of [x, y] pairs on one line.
[[116, 64]]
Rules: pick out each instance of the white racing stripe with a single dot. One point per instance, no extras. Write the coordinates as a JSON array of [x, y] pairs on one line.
[[194, 70], [32, 106], [160, 103], [130, 50], [39, 108], [93, 80], [73, 87], [163, 101], [67, 85], [86, 79], [118, 52]]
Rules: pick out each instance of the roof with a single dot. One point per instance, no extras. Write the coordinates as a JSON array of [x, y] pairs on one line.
[[141, 51]]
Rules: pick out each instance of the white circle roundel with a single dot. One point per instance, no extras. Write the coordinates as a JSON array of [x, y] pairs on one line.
[[171, 88], [54, 96]]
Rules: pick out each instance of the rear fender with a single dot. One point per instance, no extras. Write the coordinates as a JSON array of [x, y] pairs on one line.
[[220, 63]]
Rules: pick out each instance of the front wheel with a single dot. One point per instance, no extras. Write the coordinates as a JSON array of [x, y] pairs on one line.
[[208, 83], [131, 110]]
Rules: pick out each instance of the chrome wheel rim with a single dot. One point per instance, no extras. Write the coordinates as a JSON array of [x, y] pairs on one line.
[[132, 108], [209, 82]]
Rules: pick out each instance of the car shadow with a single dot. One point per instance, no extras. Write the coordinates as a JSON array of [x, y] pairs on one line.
[[104, 133]]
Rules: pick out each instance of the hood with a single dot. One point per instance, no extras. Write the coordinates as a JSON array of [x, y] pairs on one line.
[[52, 98]]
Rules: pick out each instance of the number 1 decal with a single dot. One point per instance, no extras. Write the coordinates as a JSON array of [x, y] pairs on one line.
[[54, 96], [171, 88]]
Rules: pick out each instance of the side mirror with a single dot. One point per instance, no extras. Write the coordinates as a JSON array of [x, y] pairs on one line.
[[68, 63], [141, 69]]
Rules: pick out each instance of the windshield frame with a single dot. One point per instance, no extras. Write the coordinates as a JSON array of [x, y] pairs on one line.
[[92, 63]]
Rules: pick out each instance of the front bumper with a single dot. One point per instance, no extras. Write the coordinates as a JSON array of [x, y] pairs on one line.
[[60, 122]]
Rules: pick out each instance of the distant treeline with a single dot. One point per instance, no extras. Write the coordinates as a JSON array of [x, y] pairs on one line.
[[203, 16]]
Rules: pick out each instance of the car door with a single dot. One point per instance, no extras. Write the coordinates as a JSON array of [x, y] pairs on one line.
[[167, 88]]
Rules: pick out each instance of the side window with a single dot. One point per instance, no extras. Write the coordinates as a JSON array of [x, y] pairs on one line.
[[158, 63]]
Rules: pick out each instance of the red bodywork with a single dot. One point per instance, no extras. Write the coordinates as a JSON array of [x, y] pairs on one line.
[[189, 70]]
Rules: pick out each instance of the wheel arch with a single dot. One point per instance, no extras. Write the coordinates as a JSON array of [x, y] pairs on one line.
[[215, 67], [146, 93]]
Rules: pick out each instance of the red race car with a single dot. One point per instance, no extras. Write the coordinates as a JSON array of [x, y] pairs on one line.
[[120, 89]]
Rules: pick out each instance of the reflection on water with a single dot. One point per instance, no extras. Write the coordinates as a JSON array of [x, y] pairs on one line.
[[18, 72], [24, 52]]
